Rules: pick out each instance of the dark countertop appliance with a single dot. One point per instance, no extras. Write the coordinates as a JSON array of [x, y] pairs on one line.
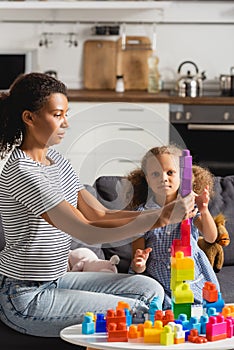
[[208, 132]]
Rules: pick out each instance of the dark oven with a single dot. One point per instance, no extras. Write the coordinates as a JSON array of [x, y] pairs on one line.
[[208, 132]]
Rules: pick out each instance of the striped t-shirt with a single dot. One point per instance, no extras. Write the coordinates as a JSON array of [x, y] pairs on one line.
[[34, 249]]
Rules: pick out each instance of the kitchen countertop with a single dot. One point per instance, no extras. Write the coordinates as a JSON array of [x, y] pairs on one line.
[[144, 96]]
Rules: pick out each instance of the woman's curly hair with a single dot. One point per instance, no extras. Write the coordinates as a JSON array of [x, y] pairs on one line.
[[28, 92]]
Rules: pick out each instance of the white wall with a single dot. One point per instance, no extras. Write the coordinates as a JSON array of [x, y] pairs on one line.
[[210, 46]]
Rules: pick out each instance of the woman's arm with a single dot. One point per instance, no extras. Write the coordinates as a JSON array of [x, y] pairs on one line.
[[92, 223], [205, 222], [173, 212]]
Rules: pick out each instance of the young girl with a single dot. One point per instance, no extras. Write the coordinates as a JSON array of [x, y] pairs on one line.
[[156, 184], [42, 204]]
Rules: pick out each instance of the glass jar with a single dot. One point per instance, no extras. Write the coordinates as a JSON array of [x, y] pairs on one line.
[[119, 87]]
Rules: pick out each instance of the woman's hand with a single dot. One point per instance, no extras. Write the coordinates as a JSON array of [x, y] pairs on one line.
[[139, 260], [180, 209]]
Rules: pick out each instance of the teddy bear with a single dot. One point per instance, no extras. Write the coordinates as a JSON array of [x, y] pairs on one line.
[[84, 259], [214, 251]]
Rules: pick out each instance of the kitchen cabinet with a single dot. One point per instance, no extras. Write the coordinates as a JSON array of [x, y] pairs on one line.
[[111, 138]]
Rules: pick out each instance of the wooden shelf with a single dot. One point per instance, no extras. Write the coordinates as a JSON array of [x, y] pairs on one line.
[[86, 5]]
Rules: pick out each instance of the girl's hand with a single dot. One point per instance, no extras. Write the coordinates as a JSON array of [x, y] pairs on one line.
[[202, 200], [140, 258]]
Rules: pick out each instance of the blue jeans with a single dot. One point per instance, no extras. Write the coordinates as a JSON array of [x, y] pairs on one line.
[[45, 308]]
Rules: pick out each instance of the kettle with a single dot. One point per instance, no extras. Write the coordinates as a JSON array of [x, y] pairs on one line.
[[52, 73], [190, 85]]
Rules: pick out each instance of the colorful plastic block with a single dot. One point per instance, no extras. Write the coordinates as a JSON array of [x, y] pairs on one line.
[[182, 268], [203, 321], [117, 316], [128, 317], [211, 311], [178, 309], [88, 325], [218, 305], [210, 292], [183, 244], [123, 305], [182, 294], [100, 325], [136, 333], [187, 331], [179, 334], [216, 328], [167, 336], [152, 332], [153, 307], [89, 313], [183, 318], [117, 332], [164, 316], [195, 338], [228, 310], [230, 326], [194, 324], [185, 173]]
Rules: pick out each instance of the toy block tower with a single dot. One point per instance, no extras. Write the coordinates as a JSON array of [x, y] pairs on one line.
[[182, 265]]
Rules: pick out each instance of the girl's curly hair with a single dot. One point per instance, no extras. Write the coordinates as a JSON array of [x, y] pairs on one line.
[[201, 178]]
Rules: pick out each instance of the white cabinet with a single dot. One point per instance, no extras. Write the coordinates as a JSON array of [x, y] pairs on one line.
[[111, 138]]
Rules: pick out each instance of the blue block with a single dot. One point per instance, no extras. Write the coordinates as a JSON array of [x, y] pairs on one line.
[[128, 317], [100, 323], [203, 320], [218, 305], [88, 326]]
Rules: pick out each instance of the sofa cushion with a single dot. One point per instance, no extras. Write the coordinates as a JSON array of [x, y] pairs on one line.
[[114, 192], [223, 201], [225, 277]]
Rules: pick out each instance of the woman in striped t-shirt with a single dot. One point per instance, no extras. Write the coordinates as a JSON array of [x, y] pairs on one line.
[[43, 205]]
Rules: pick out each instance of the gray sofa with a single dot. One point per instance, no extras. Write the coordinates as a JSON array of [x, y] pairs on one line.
[[114, 192]]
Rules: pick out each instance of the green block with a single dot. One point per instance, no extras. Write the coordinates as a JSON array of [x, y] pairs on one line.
[[181, 309]]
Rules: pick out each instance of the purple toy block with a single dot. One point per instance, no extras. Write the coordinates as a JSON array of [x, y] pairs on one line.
[[185, 173]]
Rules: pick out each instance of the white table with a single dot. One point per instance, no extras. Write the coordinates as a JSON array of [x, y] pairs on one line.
[[73, 335]]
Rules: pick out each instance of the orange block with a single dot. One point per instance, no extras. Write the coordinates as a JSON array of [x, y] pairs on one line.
[[117, 316], [210, 292], [117, 332], [228, 311]]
